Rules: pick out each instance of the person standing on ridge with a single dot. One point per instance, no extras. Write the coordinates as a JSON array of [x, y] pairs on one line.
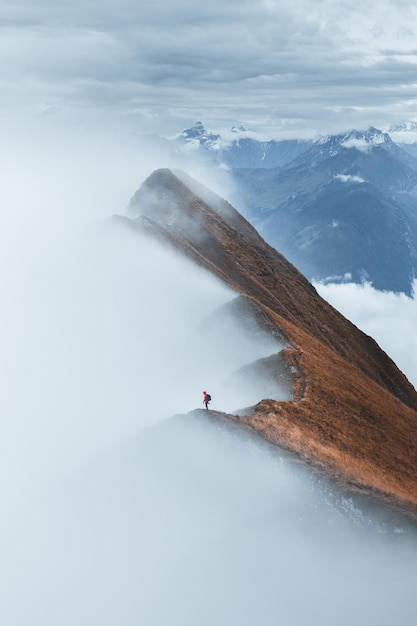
[[206, 399]]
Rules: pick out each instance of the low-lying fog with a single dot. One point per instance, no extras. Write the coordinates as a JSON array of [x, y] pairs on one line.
[[113, 511], [195, 523], [107, 335]]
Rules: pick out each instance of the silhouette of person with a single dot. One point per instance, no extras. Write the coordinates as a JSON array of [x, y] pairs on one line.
[[206, 399]]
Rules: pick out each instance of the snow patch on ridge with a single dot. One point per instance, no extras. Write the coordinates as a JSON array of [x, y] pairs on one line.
[[364, 141], [359, 140]]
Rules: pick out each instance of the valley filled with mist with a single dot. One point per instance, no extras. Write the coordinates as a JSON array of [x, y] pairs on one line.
[[122, 501]]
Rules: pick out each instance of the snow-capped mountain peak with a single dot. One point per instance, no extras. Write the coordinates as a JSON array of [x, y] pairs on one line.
[[198, 132], [403, 133], [238, 147], [410, 125], [360, 140], [238, 129], [364, 140]]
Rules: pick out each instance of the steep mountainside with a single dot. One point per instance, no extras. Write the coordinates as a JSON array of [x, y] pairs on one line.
[[353, 413], [346, 209]]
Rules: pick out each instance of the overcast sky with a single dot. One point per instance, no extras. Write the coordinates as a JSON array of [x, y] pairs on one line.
[[276, 66]]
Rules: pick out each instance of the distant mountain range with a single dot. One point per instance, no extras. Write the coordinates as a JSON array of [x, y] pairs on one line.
[[240, 149], [344, 210], [352, 412], [341, 209]]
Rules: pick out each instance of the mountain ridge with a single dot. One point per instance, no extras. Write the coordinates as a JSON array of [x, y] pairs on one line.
[[280, 186], [354, 414]]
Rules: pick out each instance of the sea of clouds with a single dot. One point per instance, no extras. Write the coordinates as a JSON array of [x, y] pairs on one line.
[[114, 512], [388, 317]]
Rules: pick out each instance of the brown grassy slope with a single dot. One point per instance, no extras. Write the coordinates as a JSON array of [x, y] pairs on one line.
[[357, 418]]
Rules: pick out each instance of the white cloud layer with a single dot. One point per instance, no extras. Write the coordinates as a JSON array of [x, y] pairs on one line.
[[105, 522], [387, 317], [286, 66], [102, 332], [193, 523]]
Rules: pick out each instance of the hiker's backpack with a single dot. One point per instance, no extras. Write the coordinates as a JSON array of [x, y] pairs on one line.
[[208, 397]]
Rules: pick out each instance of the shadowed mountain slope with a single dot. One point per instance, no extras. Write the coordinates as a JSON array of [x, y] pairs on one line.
[[354, 414], [344, 210]]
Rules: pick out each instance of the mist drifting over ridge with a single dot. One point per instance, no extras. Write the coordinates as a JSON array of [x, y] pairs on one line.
[[96, 322], [188, 523], [110, 338]]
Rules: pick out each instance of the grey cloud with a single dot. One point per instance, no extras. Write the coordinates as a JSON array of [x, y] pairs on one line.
[[102, 332], [195, 522], [186, 522], [126, 14], [221, 61]]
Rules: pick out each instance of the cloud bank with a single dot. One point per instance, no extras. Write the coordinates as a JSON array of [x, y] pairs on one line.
[[113, 512], [387, 317], [161, 66], [103, 331], [196, 522]]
